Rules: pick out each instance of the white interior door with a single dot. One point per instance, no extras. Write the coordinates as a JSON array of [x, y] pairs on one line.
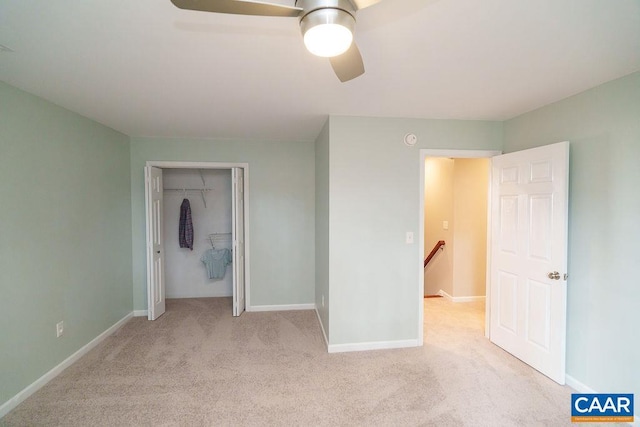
[[237, 207], [155, 249], [528, 289]]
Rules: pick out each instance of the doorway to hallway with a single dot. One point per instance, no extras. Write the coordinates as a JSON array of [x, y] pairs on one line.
[[455, 227]]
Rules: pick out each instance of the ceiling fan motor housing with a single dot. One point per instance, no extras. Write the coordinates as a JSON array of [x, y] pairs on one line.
[[310, 6], [327, 26]]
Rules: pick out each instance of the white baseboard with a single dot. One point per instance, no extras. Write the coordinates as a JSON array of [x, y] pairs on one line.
[[375, 345], [284, 307], [577, 385], [223, 293], [326, 341], [140, 313], [445, 295], [460, 299], [468, 299], [40, 382]]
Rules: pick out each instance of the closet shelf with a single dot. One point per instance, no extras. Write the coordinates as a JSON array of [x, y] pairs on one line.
[[218, 235], [219, 238], [185, 190]]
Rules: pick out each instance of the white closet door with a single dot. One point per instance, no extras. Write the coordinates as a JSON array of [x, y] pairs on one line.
[[155, 243], [528, 289], [237, 207]]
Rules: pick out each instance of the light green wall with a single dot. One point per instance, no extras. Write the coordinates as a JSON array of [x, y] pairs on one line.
[[603, 127], [322, 226], [65, 246], [374, 200], [281, 216]]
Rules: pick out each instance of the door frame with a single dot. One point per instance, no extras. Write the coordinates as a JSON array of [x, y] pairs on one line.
[[455, 154], [208, 165]]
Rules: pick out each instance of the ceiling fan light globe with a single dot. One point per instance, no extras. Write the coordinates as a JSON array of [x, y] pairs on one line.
[[328, 32], [328, 40]]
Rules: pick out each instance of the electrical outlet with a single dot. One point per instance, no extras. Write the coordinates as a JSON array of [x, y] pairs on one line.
[[59, 329], [323, 300]]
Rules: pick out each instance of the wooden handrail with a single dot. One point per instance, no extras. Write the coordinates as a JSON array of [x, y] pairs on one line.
[[438, 245]]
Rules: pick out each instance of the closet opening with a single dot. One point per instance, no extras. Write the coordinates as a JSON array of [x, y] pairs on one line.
[[197, 234]]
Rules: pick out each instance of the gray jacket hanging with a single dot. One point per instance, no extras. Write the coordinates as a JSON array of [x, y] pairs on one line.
[[185, 229]]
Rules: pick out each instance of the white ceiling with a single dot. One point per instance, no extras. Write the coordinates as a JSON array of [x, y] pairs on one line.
[[146, 68]]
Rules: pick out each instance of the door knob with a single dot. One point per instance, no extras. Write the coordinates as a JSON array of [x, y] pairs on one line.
[[554, 276]]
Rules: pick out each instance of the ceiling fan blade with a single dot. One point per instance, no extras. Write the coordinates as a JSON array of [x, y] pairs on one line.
[[361, 4], [239, 7], [349, 65]]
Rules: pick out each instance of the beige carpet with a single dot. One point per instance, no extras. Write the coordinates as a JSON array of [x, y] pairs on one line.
[[197, 365]]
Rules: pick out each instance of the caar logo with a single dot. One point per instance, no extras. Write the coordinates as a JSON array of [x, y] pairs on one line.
[[602, 408]]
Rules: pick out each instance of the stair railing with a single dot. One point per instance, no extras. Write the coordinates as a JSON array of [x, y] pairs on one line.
[[439, 245]]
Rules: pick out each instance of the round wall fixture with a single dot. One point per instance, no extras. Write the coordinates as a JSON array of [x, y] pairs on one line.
[[410, 139]]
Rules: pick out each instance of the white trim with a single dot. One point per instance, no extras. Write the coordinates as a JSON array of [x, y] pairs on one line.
[[457, 154], [577, 385], [247, 257], [376, 345], [210, 165], [326, 341], [195, 165], [445, 295], [221, 293], [43, 380], [487, 280], [420, 262], [469, 299], [460, 299], [283, 307], [140, 313], [460, 154]]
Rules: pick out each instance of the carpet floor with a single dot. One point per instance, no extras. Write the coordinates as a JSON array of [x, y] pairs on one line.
[[199, 366]]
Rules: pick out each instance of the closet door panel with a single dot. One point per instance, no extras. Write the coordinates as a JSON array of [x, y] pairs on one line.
[[155, 243], [237, 193]]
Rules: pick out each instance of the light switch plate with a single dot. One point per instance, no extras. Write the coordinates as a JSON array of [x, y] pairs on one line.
[[409, 237], [445, 225]]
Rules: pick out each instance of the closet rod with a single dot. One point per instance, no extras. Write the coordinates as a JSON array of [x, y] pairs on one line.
[[199, 190]]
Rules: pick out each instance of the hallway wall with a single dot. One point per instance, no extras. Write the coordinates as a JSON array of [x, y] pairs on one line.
[[439, 207], [470, 207]]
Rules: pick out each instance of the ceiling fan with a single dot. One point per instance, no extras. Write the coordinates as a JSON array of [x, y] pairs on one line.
[[327, 26]]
